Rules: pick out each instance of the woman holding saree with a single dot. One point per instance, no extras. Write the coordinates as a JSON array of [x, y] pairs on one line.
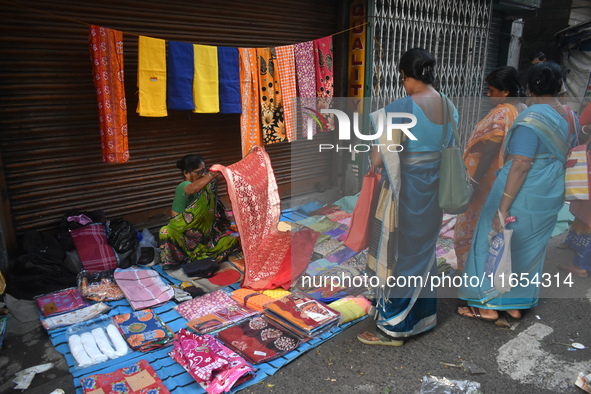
[[530, 187], [196, 230], [408, 217], [484, 155]]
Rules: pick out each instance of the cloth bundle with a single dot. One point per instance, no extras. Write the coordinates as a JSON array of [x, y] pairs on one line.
[[215, 367], [220, 318], [259, 340], [99, 286], [252, 299], [144, 330], [77, 316], [135, 379], [143, 288], [204, 305], [95, 342], [61, 301]]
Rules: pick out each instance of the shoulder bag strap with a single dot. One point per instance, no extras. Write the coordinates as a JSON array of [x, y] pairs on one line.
[[444, 102], [447, 110]]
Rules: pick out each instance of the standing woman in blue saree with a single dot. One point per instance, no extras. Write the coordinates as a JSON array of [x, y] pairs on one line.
[[408, 218], [530, 187]]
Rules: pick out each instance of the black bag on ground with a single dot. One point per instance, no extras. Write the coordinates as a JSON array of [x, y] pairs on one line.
[[147, 256], [43, 249], [203, 268], [40, 269], [122, 236]]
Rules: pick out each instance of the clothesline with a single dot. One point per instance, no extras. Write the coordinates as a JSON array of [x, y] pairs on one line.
[[134, 34]]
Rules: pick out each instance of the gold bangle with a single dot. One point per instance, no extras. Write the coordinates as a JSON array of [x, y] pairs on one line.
[[508, 195]]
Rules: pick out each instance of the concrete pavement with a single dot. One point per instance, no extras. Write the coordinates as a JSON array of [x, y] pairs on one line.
[[533, 358]]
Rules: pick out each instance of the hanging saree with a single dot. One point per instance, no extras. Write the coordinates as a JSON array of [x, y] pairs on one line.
[[494, 128], [406, 226], [197, 232], [286, 65], [253, 192], [250, 126], [306, 82], [535, 208], [270, 93], [324, 76], [106, 52]]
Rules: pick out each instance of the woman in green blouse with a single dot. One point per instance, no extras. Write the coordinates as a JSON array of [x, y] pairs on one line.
[[199, 224]]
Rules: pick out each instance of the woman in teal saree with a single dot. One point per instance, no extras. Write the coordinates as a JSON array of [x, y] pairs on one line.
[[198, 226], [530, 187], [408, 218]]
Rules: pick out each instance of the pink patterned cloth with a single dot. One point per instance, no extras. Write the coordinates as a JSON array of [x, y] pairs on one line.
[[215, 367], [324, 75], [286, 64], [250, 125], [306, 76], [142, 287], [60, 301], [253, 193], [204, 305]]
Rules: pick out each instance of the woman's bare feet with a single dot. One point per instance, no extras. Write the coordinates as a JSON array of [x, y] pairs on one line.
[[475, 312], [570, 267], [514, 313]]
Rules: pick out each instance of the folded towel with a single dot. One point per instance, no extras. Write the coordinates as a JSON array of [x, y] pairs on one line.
[[151, 77], [229, 77], [180, 66], [205, 81]]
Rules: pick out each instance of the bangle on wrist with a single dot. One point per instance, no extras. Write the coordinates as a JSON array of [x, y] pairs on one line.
[[474, 180], [209, 173], [508, 195]]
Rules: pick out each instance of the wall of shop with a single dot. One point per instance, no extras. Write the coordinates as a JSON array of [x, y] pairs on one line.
[[50, 156]]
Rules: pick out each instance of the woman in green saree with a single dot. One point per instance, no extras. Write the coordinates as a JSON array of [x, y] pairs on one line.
[[198, 225]]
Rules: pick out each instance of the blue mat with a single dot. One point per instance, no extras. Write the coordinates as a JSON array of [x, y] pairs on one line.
[[174, 377]]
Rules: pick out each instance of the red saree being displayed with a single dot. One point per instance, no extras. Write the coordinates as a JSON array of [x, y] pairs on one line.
[[252, 189]]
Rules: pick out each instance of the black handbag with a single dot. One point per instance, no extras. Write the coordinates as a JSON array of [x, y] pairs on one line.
[[202, 268]]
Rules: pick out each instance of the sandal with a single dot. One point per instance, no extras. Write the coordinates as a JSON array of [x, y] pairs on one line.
[[370, 338], [474, 313]]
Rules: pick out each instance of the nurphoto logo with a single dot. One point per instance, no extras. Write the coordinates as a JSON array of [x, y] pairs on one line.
[[383, 122]]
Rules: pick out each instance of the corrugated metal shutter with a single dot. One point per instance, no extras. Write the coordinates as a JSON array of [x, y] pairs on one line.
[[49, 136]]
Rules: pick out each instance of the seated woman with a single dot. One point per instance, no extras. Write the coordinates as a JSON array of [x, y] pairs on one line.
[[198, 225]]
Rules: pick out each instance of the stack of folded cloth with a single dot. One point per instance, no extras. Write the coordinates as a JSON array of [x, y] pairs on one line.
[[216, 368], [259, 340], [136, 378], [213, 311], [302, 314], [144, 330], [252, 299]]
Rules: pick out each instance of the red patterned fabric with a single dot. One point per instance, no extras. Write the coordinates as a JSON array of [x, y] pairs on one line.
[[93, 249], [256, 206], [106, 53]]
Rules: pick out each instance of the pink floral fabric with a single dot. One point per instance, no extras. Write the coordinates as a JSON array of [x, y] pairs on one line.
[[306, 77], [204, 305], [215, 367]]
